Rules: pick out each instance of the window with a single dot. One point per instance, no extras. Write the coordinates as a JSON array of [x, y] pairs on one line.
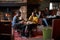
[[51, 6]]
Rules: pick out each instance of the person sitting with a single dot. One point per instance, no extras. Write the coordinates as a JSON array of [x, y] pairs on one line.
[[40, 15], [46, 12], [34, 19], [18, 23], [58, 13], [6, 16]]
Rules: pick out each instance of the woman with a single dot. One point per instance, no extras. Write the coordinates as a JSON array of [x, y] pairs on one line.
[[34, 19]]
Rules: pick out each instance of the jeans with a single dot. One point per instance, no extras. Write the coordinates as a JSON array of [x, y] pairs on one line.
[[21, 27], [45, 21]]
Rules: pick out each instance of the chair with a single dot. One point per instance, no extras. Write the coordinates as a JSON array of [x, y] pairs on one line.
[[56, 29], [35, 32], [5, 30], [40, 21]]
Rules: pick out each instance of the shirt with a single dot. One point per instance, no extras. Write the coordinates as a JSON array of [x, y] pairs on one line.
[[58, 13], [34, 19], [14, 20]]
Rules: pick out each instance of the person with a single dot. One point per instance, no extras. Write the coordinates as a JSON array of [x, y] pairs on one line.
[[34, 19], [18, 23], [6, 16], [39, 15], [35, 11], [46, 12], [58, 13]]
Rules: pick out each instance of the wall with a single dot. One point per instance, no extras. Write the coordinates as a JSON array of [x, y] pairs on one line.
[[44, 4], [4, 1]]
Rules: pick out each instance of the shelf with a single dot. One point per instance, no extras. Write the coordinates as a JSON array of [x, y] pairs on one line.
[[5, 20], [5, 34]]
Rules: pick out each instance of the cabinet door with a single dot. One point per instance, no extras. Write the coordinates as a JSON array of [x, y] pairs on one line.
[[56, 29], [5, 28]]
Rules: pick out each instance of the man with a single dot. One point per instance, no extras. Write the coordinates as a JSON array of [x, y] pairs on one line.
[[39, 14], [46, 12]]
